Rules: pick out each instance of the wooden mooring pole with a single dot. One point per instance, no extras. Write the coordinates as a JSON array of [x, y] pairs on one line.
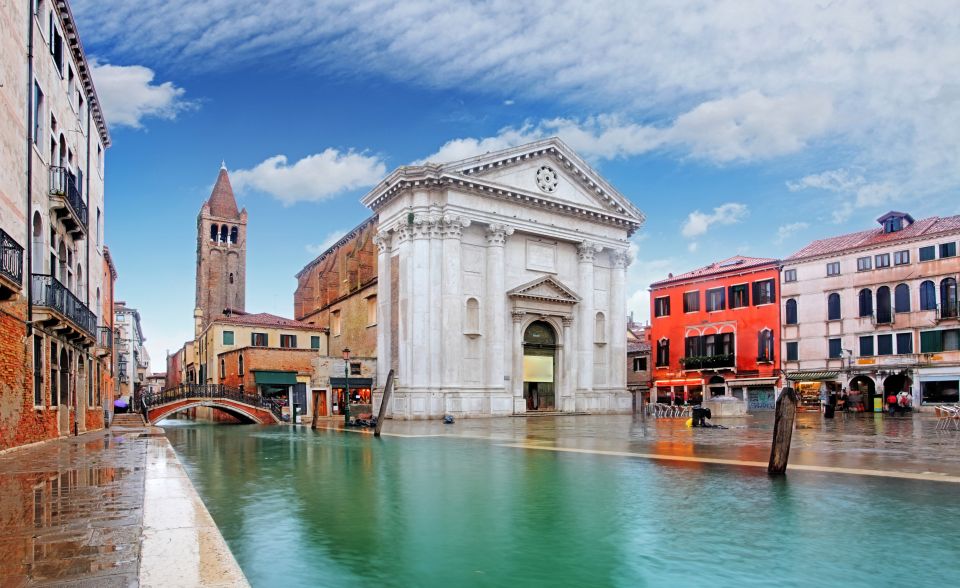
[[382, 415], [782, 431]]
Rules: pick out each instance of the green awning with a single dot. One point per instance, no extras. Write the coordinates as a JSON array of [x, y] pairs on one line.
[[275, 378], [812, 376]]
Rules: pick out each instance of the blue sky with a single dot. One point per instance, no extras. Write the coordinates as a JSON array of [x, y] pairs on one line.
[[737, 127]]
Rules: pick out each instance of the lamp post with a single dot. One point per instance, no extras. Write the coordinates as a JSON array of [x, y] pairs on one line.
[[346, 377]]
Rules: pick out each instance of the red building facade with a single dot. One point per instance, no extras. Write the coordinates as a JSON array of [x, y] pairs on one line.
[[715, 336]]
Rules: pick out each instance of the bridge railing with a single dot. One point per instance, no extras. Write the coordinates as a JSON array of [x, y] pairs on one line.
[[212, 391]]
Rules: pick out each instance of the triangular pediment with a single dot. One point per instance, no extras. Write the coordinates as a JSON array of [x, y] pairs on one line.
[[547, 289], [548, 168]]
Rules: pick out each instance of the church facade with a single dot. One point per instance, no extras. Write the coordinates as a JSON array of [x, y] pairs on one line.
[[501, 285]]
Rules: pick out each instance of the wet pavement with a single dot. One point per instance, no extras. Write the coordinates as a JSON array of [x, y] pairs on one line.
[[104, 509], [901, 444]]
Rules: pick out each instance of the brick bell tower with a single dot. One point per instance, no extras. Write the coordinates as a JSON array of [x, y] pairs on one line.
[[221, 254]]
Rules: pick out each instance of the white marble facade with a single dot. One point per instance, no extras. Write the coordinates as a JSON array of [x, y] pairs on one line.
[[479, 249]]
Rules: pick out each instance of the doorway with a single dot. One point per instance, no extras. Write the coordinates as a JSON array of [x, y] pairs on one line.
[[65, 393], [320, 402], [539, 366]]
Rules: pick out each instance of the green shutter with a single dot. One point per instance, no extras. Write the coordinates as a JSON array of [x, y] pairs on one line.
[[315, 342], [228, 337], [931, 341]]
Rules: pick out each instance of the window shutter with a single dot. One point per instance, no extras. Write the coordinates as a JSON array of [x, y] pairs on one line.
[[931, 341]]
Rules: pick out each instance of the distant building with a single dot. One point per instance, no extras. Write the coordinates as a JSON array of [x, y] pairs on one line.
[[337, 292], [714, 334], [132, 359], [639, 366], [53, 139], [876, 312], [154, 383]]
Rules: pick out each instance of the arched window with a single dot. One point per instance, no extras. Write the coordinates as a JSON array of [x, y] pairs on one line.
[[600, 329], [765, 345], [214, 231], [540, 333], [223, 368], [231, 277], [234, 233], [240, 364], [38, 243], [901, 298], [928, 296], [866, 302], [884, 314], [948, 297], [472, 319], [791, 311], [80, 284], [663, 353], [223, 233], [99, 312], [833, 307]]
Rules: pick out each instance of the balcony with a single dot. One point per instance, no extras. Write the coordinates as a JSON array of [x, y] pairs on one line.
[[67, 203], [707, 362], [104, 341], [948, 311], [11, 266], [57, 307]]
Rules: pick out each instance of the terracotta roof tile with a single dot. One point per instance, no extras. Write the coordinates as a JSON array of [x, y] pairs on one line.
[[222, 203], [737, 263], [872, 237], [264, 319]]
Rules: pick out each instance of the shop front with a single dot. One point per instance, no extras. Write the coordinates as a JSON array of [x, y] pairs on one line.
[[939, 386], [811, 386], [281, 389], [677, 392], [360, 395], [758, 393]]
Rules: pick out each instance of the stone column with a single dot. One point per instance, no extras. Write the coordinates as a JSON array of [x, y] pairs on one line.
[[434, 312], [420, 300], [569, 375], [383, 241], [494, 305], [516, 376], [586, 252], [405, 305], [452, 303], [618, 317]]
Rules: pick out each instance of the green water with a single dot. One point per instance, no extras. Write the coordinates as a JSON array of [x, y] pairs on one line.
[[305, 508]]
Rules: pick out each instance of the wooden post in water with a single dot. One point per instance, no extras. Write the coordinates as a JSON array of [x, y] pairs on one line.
[[387, 390], [782, 431], [316, 398]]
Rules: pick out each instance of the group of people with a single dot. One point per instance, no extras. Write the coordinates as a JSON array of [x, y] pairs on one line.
[[899, 403], [896, 403]]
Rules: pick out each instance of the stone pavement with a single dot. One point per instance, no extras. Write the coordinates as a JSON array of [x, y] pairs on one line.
[[907, 444], [72, 514]]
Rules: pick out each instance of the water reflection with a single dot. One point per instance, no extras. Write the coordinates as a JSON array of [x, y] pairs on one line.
[[308, 508]]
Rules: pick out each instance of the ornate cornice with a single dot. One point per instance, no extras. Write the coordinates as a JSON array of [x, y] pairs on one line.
[[545, 289]]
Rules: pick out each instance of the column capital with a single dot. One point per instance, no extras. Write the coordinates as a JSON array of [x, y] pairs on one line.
[[587, 251], [621, 258], [517, 315], [453, 225], [383, 240], [567, 321], [497, 234]]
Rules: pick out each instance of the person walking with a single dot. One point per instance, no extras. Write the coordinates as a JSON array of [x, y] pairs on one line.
[[892, 403]]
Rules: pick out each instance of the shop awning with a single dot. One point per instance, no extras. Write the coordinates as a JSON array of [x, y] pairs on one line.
[[354, 382], [752, 382], [811, 376], [275, 378], [687, 382]]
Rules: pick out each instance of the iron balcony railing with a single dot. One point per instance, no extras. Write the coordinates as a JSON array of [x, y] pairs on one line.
[[11, 258], [63, 183], [105, 337], [50, 293], [707, 362], [948, 311], [213, 391]]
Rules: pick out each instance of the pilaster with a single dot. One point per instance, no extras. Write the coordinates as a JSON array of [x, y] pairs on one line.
[[495, 305], [452, 303], [586, 254], [383, 240], [516, 376]]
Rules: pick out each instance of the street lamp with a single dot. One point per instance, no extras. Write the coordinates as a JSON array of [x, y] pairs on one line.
[[346, 396]]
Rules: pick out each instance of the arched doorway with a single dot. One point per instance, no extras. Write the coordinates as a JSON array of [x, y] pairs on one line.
[[65, 392], [896, 383], [717, 386], [539, 366], [861, 393]]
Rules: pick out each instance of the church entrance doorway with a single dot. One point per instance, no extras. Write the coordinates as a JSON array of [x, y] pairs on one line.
[[539, 366]]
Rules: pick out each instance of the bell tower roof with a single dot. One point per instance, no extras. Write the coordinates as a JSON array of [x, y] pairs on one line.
[[222, 203]]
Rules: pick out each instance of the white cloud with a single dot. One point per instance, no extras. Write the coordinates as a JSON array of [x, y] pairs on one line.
[[315, 177], [129, 95], [693, 246], [698, 223], [784, 232], [327, 242], [850, 190]]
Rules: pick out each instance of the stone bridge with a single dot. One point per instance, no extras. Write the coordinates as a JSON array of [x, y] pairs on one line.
[[248, 407]]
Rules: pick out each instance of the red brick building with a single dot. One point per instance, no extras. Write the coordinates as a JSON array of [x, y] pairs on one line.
[[715, 335]]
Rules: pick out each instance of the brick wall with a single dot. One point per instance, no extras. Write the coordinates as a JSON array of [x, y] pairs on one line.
[[263, 358]]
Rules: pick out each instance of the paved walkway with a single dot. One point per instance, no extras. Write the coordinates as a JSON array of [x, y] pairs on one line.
[[107, 508], [902, 444]]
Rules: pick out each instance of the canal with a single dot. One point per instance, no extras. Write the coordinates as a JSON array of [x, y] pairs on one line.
[[326, 508]]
